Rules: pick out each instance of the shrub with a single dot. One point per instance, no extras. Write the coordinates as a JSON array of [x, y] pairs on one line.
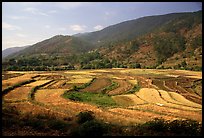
[[85, 116], [73, 96], [185, 127], [156, 125], [57, 124], [90, 128]]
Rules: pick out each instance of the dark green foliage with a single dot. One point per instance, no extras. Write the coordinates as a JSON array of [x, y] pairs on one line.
[[135, 65], [90, 128], [174, 128], [57, 124], [183, 64], [82, 117], [156, 125], [74, 96], [196, 42], [167, 45], [185, 127]]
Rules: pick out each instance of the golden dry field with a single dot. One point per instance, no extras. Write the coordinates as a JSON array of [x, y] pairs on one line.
[[154, 99]]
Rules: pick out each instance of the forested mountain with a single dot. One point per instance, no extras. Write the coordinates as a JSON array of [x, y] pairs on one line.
[[163, 41]]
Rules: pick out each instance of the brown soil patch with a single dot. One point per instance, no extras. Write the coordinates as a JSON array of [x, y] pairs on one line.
[[97, 85], [20, 93], [124, 86]]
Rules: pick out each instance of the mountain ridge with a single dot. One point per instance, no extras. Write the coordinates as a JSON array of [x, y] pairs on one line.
[[161, 37]]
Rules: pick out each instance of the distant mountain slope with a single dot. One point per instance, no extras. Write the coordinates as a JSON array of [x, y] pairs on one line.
[[128, 30], [171, 41], [11, 50], [57, 45], [177, 41]]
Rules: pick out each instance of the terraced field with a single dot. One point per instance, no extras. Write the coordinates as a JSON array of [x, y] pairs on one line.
[[167, 94]]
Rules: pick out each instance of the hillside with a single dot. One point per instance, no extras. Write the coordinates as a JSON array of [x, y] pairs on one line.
[[164, 41], [179, 40], [57, 45], [12, 50], [129, 30]]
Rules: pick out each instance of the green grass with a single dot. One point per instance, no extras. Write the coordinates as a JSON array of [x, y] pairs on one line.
[[113, 85], [93, 98]]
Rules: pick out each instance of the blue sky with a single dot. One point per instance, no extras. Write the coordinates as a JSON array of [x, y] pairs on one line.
[[26, 23]]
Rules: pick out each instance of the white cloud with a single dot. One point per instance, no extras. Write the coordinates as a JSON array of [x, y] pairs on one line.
[[78, 27], [35, 11], [21, 35], [98, 27], [17, 17], [10, 27]]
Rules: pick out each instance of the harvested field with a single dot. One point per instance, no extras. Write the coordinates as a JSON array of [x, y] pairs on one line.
[[128, 99], [50, 96], [16, 80], [168, 94], [37, 83], [180, 98], [97, 85], [168, 111], [6, 76], [124, 86], [84, 80], [138, 115], [153, 96], [80, 72], [160, 84], [133, 82], [20, 93]]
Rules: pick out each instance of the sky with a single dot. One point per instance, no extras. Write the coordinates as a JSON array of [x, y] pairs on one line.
[[26, 23]]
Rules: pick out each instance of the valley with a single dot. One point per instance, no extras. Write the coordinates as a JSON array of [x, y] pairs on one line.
[[109, 94]]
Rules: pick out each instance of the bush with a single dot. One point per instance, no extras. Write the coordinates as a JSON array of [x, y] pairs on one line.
[[90, 128], [57, 124], [156, 125], [84, 116], [185, 127], [74, 96]]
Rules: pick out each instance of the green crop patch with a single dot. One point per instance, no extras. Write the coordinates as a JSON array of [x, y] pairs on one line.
[[93, 98]]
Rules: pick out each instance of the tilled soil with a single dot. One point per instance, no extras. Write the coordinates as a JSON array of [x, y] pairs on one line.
[[124, 86], [97, 85]]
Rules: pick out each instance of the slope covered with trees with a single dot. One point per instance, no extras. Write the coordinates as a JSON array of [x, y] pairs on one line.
[[164, 41]]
